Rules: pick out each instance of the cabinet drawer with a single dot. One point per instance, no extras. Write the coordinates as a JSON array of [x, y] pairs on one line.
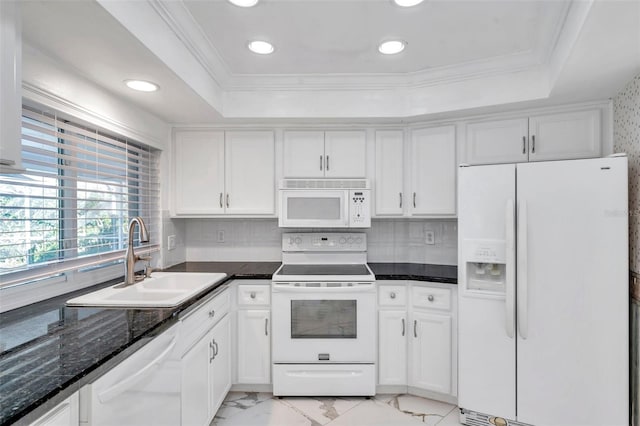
[[392, 295], [432, 298], [254, 295], [198, 322]]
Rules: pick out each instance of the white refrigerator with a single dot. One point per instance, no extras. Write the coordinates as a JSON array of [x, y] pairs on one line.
[[543, 293]]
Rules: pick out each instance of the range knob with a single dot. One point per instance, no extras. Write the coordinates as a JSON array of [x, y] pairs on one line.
[[291, 241], [298, 240], [358, 240], [343, 240], [350, 240]]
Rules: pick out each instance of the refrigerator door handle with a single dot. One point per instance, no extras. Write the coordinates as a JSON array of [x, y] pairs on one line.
[[510, 268], [523, 325]]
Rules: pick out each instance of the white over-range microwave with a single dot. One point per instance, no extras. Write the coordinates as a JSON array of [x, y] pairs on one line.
[[325, 203]]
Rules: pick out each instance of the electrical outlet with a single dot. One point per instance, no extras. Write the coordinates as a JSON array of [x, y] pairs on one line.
[[429, 237], [171, 242], [220, 236]]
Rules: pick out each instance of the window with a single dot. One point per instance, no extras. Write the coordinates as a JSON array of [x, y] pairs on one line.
[[71, 207]]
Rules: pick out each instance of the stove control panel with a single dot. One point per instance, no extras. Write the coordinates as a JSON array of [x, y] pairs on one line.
[[324, 241]]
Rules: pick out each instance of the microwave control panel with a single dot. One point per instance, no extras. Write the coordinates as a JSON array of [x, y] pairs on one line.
[[359, 209]]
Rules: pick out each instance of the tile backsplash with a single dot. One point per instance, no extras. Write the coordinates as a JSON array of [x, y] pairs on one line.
[[389, 240]]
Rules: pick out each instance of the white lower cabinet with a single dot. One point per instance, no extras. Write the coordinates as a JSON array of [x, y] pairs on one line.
[[417, 337], [206, 375], [254, 346], [430, 357], [392, 343], [66, 413]]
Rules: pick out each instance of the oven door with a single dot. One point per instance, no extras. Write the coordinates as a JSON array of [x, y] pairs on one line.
[[314, 209], [323, 324]]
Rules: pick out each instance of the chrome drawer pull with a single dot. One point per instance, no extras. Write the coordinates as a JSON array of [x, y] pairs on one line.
[[402, 327], [253, 295], [430, 298], [212, 313], [392, 295]]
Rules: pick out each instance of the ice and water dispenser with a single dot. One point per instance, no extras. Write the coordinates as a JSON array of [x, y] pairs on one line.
[[485, 262]]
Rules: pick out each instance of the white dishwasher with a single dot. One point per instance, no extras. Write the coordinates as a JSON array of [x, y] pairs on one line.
[[144, 389]]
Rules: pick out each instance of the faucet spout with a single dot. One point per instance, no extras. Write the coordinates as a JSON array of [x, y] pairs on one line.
[[130, 257]]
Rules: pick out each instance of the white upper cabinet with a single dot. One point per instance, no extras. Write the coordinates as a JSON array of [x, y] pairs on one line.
[[561, 136], [316, 154], [249, 172], [10, 87], [198, 172], [345, 154], [503, 141], [218, 172], [390, 199], [304, 154], [433, 171], [564, 136]]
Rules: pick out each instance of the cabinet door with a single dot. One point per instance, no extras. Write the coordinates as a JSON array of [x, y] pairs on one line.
[[345, 154], [493, 142], [303, 154], [195, 382], [221, 364], [254, 348], [433, 170], [430, 343], [390, 199], [198, 185], [250, 173], [67, 413], [392, 350], [564, 136]]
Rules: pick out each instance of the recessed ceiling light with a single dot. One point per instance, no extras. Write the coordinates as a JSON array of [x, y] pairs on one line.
[[391, 47], [244, 3], [141, 85], [407, 3], [260, 47]]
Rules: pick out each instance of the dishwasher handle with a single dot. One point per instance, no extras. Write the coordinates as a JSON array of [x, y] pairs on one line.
[[132, 380]]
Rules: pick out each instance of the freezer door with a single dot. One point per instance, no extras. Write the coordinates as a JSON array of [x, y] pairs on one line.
[[572, 293], [487, 345]]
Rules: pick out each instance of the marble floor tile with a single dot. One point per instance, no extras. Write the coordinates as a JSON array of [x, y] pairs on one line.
[[375, 413], [427, 411], [451, 419], [238, 402], [267, 413], [322, 409]]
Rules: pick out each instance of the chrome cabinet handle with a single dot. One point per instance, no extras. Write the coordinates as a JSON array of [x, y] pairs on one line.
[[212, 313], [415, 330], [430, 298], [221, 200], [403, 327], [215, 349], [393, 295], [400, 193], [327, 162], [212, 356], [524, 144], [227, 200], [321, 162], [253, 295], [266, 326], [533, 144], [414, 200]]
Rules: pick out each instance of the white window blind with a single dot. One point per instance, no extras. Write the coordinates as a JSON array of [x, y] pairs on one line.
[[72, 206]]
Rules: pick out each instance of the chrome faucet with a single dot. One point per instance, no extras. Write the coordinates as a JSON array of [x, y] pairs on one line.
[[131, 258]]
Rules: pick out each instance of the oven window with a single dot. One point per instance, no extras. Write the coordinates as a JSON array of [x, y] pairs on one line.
[[305, 208], [323, 319]]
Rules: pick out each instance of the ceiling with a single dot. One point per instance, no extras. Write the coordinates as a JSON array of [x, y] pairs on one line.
[[460, 55]]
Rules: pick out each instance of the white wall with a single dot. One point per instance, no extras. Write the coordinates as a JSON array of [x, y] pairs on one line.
[[388, 240]]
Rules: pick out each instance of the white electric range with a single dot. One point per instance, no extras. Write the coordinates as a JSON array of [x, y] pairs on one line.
[[324, 316]]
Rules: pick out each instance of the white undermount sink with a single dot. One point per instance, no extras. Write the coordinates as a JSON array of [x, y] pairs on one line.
[[162, 290]]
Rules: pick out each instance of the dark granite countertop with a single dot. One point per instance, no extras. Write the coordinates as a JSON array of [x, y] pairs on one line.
[[48, 350], [415, 271]]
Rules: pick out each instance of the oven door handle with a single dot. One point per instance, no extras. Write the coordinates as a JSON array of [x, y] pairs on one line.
[[294, 289]]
